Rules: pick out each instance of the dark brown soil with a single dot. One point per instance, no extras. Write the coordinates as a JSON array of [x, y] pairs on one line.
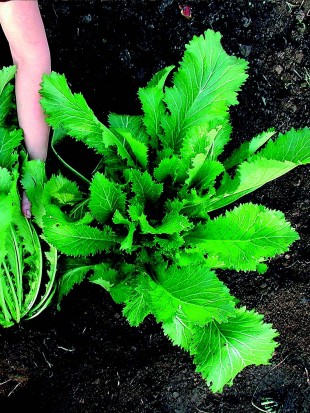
[[86, 358]]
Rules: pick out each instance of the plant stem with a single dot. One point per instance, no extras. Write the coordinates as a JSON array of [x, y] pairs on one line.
[[74, 171]]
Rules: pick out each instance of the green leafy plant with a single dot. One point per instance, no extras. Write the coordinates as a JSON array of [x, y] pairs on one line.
[[150, 226], [27, 265]]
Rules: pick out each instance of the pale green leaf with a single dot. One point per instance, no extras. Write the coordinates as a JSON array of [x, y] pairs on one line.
[[144, 186], [105, 198], [160, 77], [203, 173], [77, 240], [250, 176], [9, 141], [194, 204], [205, 85], [139, 149], [61, 191], [133, 124], [179, 330], [195, 290], [221, 351], [209, 139], [71, 112], [104, 275], [168, 244], [248, 148], [293, 146], [6, 180], [174, 167], [6, 75], [244, 237], [172, 223]]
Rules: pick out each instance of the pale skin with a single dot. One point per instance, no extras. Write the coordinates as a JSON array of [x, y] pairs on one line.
[[23, 27]]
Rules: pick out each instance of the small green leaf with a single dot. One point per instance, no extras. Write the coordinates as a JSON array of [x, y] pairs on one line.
[[105, 198], [6, 180], [104, 275], [174, 167], [204, 172], [127, 242], [209, 139], [6, 75], [9, 141], [6, 94], [153, 107], [136, 307], [133, 124], [248, 148], [144, 186], [139, 149], [75, 272], [172, 223]]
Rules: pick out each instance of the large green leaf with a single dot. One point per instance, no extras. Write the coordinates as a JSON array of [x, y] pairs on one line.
[[205, 85], [250, 176], [221, 351], [244, 237], [194, 289], [71, 112], [77, 240], [280, 156], [293, 146]]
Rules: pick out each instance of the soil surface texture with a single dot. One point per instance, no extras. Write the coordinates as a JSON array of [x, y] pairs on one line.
[[86, 358]]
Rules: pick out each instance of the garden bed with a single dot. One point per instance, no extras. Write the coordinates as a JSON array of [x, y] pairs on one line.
[[86, 358]]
